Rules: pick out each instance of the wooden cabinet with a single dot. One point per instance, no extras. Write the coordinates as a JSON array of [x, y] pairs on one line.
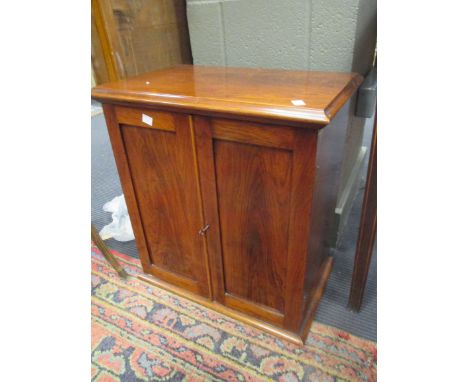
[[230, 177]]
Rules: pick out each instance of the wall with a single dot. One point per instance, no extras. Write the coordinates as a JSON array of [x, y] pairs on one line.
[[328, 35]]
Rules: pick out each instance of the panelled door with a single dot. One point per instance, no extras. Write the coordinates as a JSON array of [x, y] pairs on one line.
[[160, 157], [252, 199]]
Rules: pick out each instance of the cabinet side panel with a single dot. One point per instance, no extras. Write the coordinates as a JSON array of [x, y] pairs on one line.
[[254, 188], [330, 149]]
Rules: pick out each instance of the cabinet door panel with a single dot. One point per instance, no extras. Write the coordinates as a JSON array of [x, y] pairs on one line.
[[254, 185], [256, 195], [163, 171]]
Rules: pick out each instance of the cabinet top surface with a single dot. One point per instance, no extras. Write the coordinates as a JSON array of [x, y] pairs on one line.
[[286, 95]]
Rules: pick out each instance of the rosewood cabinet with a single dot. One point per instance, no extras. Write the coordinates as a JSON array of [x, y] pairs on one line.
[[230, 177]]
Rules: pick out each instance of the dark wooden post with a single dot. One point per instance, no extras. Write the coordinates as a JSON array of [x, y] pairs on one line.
[[367, 229], [106, 253]]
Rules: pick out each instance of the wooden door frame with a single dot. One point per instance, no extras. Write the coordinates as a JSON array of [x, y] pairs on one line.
[[106, 50]]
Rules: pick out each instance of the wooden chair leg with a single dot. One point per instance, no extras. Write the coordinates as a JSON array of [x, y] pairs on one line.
[[367, 230], [106, 253]]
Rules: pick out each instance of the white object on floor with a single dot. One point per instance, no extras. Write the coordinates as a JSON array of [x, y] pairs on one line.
[[95, 110], [120, 228]]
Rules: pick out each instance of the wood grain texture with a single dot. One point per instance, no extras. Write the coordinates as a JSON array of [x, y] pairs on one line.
[[101, 56], [254, 186], [206, 165], [254, 309], [139, 36], [165, 184], [122, 162], [253, 133], [229, 152], [303, 174], [134, 117], [313, 301], [248, 92]]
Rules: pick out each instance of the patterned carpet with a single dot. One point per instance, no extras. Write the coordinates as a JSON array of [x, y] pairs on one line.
[[143, 333]]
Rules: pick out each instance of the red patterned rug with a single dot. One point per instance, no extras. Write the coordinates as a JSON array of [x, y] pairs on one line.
[[143, 333]]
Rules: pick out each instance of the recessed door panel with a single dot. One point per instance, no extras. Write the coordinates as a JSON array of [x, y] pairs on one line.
[[254, 186], [246, 179]]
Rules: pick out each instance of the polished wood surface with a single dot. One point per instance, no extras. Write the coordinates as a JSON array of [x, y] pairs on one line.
[[229, 209], [248, 92], [163, 173], [253, 133], [133, 117], [367, 229], [261, 183], [122, 162], [300, 218], [315, 294], [254, 185]]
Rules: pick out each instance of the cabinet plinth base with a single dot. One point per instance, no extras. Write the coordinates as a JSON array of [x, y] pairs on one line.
[[316, 296], [259, 324]]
